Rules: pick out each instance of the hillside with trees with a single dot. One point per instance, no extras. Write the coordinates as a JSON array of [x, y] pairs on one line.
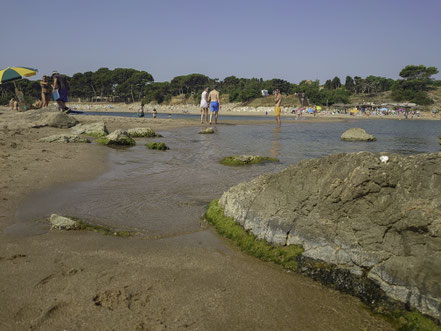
[[131, 85]]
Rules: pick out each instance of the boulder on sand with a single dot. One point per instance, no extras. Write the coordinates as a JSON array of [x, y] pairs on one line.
[[142, 132], [64, 138], [357, 134], [117, 137], [97, 129], [56, 120], [377, 220]]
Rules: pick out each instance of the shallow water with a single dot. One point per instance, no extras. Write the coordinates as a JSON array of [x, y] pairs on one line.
[[163, 194]]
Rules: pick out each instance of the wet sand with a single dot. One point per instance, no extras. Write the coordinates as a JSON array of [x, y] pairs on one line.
[[84, 280]]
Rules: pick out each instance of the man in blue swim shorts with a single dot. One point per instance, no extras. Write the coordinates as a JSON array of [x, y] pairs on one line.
[[61, 85], [214, 104]]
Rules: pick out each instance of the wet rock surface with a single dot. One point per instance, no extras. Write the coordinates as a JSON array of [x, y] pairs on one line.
[[64, 138], [97, 129], [377, 221], [63, 223], [207, 131], [142, 132], [240, 160], [357, 134], [117, 137]]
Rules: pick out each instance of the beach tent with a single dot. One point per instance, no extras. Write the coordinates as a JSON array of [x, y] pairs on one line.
[[310, 110], [319, 108], [383, 109]]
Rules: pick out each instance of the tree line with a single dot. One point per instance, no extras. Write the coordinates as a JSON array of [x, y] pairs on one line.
[[130, 85]]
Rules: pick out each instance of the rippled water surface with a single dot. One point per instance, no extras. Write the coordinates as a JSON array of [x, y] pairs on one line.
[[164, 193]]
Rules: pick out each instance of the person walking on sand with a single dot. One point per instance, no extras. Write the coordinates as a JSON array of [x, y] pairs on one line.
[[204, 105], [45, 93], [61, 90], [214, 99], [278, 102]]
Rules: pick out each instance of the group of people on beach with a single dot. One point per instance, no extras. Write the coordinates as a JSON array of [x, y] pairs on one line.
[[60, 91], [210, 101]]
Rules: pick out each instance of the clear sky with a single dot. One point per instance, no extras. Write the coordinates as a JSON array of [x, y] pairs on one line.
[[292, 40]]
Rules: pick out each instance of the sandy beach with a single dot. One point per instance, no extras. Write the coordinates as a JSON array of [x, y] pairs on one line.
[[88, 281]]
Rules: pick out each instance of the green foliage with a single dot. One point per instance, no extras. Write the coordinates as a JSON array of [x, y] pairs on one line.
[[414, 85], [247, 242], [414, 321], [157, 146]]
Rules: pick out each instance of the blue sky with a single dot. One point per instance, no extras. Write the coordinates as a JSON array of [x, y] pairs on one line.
[[292, 40]]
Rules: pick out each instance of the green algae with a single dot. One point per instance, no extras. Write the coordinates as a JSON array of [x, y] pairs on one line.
[[105, 230], [246, 160], [124, 142], [247, 242], [158, 146], [290, 257]]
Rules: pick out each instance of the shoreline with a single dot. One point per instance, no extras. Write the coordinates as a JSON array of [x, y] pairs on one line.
[[233, 110], [82, 279]]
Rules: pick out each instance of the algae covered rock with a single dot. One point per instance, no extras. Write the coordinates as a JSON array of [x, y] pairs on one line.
[[64, 138], [117, 137], [158, 146], [97, 129], [357, 134], [366, 218], [246, 160], [143, 132], [63, 223], [207, 131]]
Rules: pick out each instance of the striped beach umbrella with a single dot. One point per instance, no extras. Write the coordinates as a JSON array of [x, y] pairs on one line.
[[13, 73]]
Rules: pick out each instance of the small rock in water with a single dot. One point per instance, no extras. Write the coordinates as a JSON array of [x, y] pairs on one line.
[[357, 134], [207, 131], [63, 223]]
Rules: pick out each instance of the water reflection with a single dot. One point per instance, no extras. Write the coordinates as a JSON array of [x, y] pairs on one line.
[[275, 143]]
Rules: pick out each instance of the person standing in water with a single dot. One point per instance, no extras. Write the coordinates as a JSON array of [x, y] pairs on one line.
[[204, 105], [278, 102], [214, 99]]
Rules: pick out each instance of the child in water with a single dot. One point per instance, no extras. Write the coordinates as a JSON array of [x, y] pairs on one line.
[[154, 112]]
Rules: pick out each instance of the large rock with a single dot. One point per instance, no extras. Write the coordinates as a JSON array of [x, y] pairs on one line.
[[117, 137], [63, 223], [378, 218], [64, 138], [142, 132], [357, 134], [57, 120], [97, 129]]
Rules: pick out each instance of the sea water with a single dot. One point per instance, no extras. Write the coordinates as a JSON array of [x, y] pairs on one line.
[[163, 194]]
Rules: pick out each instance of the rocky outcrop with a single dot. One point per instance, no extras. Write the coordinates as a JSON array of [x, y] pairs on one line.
[[357, 134], [142, 133], [207, 131], [379, 220], [57, 120], [239, 160], [97, 129], [63, 223], [117, 137], [64, 138]]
